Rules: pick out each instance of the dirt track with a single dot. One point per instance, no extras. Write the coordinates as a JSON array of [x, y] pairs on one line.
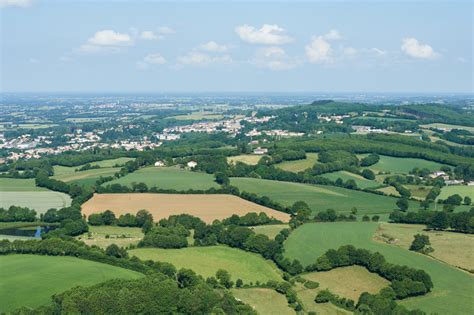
[[206, 207]]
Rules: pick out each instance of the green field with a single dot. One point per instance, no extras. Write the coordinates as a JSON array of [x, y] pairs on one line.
[[264, 301], [453, 289], [299, 165], [270, 230], [437, 125], [249, 159], [207, 260], [462, 190], [319, 197], [62, 170], [15, 184], [396, 165], [360, 181], [88, 177], [104, 235], [31, 280], [24, 193], [168, 178]]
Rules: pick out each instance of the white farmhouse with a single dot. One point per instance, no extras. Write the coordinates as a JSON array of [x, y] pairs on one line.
[[159, 164], [192, 164]]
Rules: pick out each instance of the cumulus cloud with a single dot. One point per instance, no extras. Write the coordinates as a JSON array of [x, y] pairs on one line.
[[201, 59], [273, 58], [319, 50], [107, 41], [332, 35], [268, 34], [155, 59], [413, 48], [16, 3], [212, 46], [150, 35]]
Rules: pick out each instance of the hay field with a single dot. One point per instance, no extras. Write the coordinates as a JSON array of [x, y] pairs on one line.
[[349, 282], [299, 165], [249, 159], [264, 301], [208, 207]]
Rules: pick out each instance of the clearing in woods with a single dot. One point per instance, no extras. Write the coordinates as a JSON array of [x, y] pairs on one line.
[[105, 235], [207, 260], [264, 301], [208, 207], [299, 165], [244, 158], [453, 289], [349, 282]]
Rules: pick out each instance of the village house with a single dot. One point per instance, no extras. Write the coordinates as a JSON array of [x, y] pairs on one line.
[[159, 164], [260, 151], [192, 164]]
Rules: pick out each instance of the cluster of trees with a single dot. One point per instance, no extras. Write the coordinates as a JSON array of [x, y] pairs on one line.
[[166, 237], [438, 220], [382, 303], [325, 296], [405, 281], [70, 219], [421, 243], [143, 219], [251, 218], [14, 213], [456, 200], [330, 215], [370, 160]]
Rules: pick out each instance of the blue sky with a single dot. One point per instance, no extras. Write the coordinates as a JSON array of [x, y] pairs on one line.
[[193, 46]]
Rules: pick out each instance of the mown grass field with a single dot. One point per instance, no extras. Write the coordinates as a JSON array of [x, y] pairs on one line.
[[264, 301], [418, 191], [453, 289], [88, 177], [453, 248], [396, 165], [168, 178], [31, 280], [270, 230], [24, 193], [249, 159], [360, 181], [15, 184], [462, 190], [62, 170], [319, 197], [104, 236], [307, 298], [299, 165], [207, 260], [208, 207], [349, 282]]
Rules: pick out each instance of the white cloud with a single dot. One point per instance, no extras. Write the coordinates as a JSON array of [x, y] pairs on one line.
[[202, 59], [319, 50], [212, 46], [332, 35], [273, 58], [165, 30], [106, 41], [155, 59], [378, 51], [350, 51], [149, 35], [268, 34], [16, 3], [413, 48], [110, 38]]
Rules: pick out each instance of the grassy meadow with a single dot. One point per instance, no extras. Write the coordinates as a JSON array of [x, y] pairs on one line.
[[453, 289], [396, 165], [319, 197], [168, 178], [105, 235], [462, 190], [299, 165], [452, 248], [207, 260], [24, 193], [349, 282], [250, 159], [270, 230], [88, 177], [264, 301], [345, 175], [31, 280]]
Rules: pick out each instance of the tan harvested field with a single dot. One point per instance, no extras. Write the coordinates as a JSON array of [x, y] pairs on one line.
[[207, 207], [349, 282]]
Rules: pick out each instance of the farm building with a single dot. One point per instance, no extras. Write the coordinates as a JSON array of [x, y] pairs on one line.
[[192, 164], [260, 151], [159, 163]]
